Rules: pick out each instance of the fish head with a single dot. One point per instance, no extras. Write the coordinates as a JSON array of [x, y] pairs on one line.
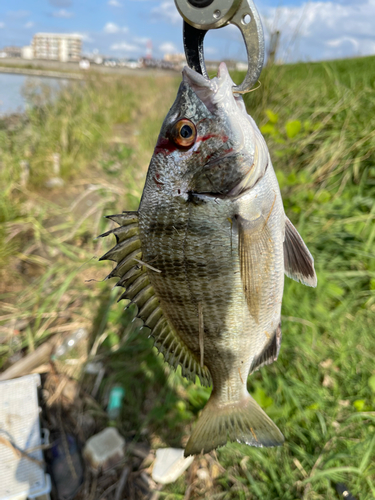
[[207, 143]]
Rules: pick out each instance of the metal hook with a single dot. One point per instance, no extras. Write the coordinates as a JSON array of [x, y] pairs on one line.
[[202, 15]]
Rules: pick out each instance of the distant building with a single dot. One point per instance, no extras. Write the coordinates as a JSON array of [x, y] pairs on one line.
[[175, 58], [177, 61], [57, 47], [27, 52], [12, 51]]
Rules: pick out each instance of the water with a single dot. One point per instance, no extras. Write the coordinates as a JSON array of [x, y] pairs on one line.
[[11, 98]]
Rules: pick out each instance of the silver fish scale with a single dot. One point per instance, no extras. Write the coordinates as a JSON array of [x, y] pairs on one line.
[[199, 263]]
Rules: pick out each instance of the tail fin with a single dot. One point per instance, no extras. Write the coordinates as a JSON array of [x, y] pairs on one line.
[[243, 421]]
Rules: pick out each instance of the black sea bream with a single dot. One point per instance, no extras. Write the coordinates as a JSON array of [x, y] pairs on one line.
[[205, 255]]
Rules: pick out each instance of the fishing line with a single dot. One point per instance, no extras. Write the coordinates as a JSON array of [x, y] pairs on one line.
[[247, 91]]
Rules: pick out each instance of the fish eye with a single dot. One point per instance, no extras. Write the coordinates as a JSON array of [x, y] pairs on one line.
[[186, 131], [183, 133]]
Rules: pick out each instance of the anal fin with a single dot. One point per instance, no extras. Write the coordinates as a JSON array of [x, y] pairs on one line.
[[269, 353]]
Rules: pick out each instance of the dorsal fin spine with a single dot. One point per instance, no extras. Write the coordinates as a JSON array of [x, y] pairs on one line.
[[121, 250], [154, 317], [122, 232], [124, 219], [137, 285], [144, 295], [125, 264], [171, 351], [159, 327], [133, 272], [148, 307], [179, 357], [166, 338]]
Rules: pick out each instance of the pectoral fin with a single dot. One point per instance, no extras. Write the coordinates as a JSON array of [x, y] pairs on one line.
[[255, 259], [298, 261]]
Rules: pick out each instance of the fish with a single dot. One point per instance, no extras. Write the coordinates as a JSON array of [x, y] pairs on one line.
[[204, 257]]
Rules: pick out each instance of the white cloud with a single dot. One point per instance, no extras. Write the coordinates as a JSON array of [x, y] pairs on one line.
[[62, 13], [338, 42], [133, 46], [166, 11], [84, 37], [29, 24], [2, 25], [113, 28], [114, 3], [168, 48], [124, 47], [323, 30]]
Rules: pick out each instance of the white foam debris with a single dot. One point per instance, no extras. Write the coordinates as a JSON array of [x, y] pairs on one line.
[[170, 463]]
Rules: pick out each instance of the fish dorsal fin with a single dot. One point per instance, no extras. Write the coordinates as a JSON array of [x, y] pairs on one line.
[[127, 253], [269, 353], [124, 218], [298, 261]]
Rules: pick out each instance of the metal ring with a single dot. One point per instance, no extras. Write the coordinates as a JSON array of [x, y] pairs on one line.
[[193, 44], [212, 16], [252, 33], [241, 13]]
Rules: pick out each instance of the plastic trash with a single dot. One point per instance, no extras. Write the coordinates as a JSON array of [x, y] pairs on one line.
[[70, 342], [116, 397], [21, 477], [105, 449], [170, 463]]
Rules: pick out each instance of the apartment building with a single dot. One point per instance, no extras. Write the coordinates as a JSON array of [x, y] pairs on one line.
[[57, 47], [12, 51]]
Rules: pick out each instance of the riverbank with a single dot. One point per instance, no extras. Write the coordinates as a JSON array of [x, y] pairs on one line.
[[41, 73], [16, 74], [71, 70]]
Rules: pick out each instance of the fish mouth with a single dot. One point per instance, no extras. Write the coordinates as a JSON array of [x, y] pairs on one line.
[[195, 79], [210, 92]]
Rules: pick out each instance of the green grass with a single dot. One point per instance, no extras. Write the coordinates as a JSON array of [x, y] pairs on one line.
[[319, 121]]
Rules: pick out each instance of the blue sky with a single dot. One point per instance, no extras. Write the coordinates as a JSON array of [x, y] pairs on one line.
[[311, 30]]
